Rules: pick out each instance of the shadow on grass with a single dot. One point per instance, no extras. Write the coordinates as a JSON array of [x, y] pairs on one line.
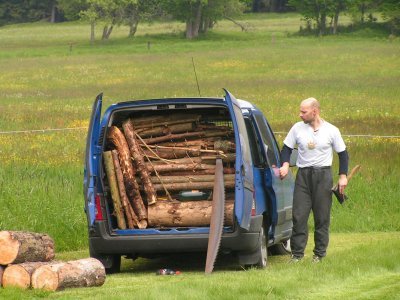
[[184, 262]]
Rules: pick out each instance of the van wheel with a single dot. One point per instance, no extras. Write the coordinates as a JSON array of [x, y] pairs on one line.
[[262, 251], [111, 263], [257, 258], [282, 248]]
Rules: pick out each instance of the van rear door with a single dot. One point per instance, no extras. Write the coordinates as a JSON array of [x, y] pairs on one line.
[[91, 160], [244, 187]]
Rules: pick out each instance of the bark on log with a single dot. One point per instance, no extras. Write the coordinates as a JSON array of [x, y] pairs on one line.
[[115, 192], [186, 214], [137, 155], [19, 275], [20, 246], [153, 121], [163, 130], [204, 168], [188, 178], [132, 188], [79, 273], [179, 136], [127, 207], [1, 275], [171, 153], [203, 159], [191, 186]]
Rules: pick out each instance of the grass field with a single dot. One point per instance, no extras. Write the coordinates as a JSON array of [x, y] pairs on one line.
[[50, 75]]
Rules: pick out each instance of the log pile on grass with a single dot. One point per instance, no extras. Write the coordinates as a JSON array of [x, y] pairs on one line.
[[150, 161], [26, 261]]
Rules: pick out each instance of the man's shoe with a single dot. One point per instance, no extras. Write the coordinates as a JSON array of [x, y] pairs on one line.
[[295, 259], [316, 259]]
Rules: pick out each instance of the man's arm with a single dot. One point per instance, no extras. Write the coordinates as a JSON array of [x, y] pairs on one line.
[[343, 169], [285, 157]]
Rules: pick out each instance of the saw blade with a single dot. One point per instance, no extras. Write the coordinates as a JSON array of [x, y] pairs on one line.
[[217, 217]]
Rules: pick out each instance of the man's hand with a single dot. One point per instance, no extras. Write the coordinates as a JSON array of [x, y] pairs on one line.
[[283, 171], [342, 183]]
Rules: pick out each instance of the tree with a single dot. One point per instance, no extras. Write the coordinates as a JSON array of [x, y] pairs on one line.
[[72, 8], [18, 11], [135, 11], [200, 15], [317, 11], [391, 11]]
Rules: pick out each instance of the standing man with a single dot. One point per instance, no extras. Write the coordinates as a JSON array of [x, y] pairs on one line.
[[315, 139]]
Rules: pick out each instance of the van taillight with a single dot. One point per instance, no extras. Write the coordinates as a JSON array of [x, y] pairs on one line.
[[253, 207], [99, 213]]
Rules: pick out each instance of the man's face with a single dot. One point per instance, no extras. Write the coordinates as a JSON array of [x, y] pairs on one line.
[[307, 113]]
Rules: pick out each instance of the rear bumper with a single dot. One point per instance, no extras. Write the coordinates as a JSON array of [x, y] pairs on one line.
[[103, 243]]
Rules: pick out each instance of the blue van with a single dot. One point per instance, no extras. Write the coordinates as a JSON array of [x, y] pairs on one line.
[[262, 202]]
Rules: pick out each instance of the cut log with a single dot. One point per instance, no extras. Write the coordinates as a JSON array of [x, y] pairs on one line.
[[20, 246], [19, 275], [115, 192], [188, 178], [127, 207], [154, 121], [191, 186], [163, 130], [180, 136], [79, 273], [1, 275], [204, 168], [132, 188], [171, 153], [203, 159], [137, 155], [186, 214]]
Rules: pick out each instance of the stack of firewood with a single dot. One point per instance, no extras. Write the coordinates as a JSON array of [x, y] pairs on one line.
[[152, 160], [26, 260]]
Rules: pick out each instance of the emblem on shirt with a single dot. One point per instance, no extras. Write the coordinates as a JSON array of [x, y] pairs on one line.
[[311, 145]]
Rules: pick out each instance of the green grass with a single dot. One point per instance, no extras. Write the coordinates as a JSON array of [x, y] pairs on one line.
[[44, 84], [358, 266]]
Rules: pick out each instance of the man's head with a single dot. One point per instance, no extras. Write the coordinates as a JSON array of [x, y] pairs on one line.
[[309, 110]]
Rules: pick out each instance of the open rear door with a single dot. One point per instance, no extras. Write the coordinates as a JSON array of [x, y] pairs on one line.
[[91, 160], [244, 170]]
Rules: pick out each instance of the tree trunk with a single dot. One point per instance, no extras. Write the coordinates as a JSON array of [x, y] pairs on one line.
[[188, 178], [186, 214], [178, 136], [193, 23], [20, 275], [79, 273], [137, 155], [132, 188], [53, 13], [127, 208], [191, 168], [19, 246], [115, 192], [155, 121], [92, 33], [335, 22]]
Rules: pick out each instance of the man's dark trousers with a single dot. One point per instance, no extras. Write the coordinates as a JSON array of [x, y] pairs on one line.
[[312, 191]]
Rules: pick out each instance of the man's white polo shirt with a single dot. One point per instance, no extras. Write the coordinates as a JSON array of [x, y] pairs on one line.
[[315, 147]]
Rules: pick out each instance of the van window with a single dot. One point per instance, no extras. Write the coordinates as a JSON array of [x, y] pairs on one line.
[[270, 146], [246, 155], [255, 147]]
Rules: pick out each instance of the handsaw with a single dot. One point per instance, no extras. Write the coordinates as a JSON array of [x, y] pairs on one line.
[[217, 217], [342, 197]]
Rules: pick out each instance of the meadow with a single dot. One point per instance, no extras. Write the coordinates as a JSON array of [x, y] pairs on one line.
[[50, 75]]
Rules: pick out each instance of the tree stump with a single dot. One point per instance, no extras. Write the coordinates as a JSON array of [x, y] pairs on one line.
[[186, 214], [19, 246], [19, 275], [79, 273]]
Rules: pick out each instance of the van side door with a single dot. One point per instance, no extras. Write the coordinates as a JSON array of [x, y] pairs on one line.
[[282, 189]]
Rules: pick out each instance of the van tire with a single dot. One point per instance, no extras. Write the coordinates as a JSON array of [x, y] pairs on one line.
[[282, 248], [111, 263], [257, 258]]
